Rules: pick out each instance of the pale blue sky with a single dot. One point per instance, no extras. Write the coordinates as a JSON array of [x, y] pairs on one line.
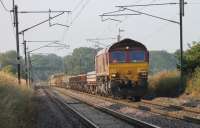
[[155, 34]]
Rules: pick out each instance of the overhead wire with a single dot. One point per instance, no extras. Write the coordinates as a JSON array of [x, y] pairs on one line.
[[13, 28], [126, 18], [6, 9], [11, 17], [159, 29], [80, 11], [73, 10], [77, 6], [108, 26], [77, 15]]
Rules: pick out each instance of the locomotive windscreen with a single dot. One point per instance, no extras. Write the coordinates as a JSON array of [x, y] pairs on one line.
[[118, 56], [137, 56]]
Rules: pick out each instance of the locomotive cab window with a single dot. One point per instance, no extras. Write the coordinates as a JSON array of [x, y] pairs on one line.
[[118, 57], [137, 56]]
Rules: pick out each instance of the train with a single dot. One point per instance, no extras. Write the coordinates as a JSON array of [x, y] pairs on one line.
[[121, 70]]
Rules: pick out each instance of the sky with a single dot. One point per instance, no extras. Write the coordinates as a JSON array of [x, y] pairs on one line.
[[85, 23]]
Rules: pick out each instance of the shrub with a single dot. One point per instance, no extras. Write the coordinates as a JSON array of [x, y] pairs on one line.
[[9, 69], [193, 87], [165, 83]]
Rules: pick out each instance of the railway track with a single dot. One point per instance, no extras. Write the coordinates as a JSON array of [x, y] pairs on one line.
[[171, 106], [66, 107], [97, 116], [172, 111]]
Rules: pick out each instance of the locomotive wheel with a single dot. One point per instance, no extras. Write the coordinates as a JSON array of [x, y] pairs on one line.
[[137, 98]]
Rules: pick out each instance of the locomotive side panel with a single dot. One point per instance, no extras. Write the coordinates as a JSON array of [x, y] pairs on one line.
[[101, 61]]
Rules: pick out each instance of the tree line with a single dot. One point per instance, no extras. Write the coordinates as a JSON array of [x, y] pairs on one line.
[[82, 60]]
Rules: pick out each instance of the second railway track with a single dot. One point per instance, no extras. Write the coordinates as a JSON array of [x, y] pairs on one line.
[[172, 111], [96, 116]]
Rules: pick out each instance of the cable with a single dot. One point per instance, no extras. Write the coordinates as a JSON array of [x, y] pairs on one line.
[[194, 3], [7, 10], [140, 9], [77, 15], [73, 10], [78, 5], [162, 27], [12, 19], [118, 23], [146, 5], [80, 11]]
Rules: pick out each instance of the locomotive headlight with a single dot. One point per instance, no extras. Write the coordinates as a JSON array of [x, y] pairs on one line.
[[114, 75], [127, 47], [143, 74]]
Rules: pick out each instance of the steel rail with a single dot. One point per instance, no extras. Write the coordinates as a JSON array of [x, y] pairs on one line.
[[154, 111], [133, 121], [186, 109], [64, 105]]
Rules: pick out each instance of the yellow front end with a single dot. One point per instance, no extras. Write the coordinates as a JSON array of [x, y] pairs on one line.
[[128, 71]]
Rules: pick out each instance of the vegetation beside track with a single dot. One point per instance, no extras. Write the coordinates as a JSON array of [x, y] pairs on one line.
[[16, 106], [167, 83], [164, 83], [193, 87]]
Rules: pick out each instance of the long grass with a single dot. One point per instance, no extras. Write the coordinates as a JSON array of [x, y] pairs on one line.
[[164, 83], [193, 84], [16, 108]]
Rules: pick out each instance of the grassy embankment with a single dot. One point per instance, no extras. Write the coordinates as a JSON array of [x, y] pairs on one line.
[[16, 107], [166, 84], [193, 83]]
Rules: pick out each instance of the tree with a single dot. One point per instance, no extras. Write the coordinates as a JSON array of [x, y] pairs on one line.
[[9, 69], [82, 60], [191, 58], [45, 65], [8, 61], [162, 60]]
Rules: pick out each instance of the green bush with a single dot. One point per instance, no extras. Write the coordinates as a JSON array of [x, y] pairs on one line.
[[191, 58]]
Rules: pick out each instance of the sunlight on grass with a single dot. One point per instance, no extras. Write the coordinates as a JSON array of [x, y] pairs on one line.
[[164, 83], [15, 105], [193, 87]]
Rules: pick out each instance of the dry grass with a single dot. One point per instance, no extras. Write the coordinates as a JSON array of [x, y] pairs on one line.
[[164, 83], [16, 108], [193, 84]]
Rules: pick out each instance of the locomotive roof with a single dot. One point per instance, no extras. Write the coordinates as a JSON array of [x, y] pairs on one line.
[[123, 43]]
